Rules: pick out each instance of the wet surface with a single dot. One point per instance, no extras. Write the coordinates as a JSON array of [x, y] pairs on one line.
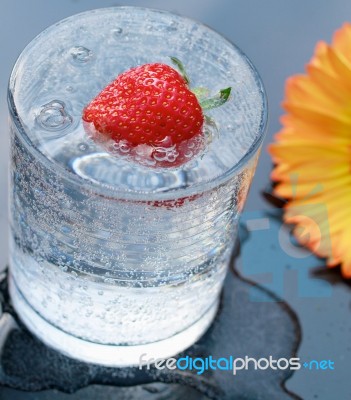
[[242, 327], [319, 296]]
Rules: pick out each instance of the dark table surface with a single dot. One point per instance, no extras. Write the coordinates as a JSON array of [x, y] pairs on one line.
[[279, 37]]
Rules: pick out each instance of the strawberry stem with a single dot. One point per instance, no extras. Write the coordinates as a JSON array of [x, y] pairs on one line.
[[217, 100], [200, 92], [181, 68]]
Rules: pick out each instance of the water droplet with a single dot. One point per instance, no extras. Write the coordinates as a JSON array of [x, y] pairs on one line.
[[81, 55], [100, 292], [54, 117], [117, 32], [70, 89]]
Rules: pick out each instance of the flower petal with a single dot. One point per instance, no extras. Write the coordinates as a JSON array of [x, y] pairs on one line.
[[312, 153]]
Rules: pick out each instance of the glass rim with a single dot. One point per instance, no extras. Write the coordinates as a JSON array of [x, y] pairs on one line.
[[114, 192]]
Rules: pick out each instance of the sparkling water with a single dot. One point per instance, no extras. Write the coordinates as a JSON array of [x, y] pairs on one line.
[[104, 249]]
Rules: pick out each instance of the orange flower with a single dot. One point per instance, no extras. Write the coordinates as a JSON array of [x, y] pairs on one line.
[[312, 153]]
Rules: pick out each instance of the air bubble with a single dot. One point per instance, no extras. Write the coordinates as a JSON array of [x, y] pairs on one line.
[[81, 55], [124, 147], [65, 229], [83, 29], [171, 157], [83, 146], [191, 145], [117, 33], [159, 154], [54, 117], [145, 161], [112, 148], [173, 26]]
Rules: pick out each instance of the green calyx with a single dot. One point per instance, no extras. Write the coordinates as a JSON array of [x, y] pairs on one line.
[[206, 103], [181, 68], [216, 101]]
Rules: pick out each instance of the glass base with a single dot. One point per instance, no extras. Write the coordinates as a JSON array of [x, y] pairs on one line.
[[107, 355]]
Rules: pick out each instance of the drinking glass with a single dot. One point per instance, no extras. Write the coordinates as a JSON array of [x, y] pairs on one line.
[[111, 259]]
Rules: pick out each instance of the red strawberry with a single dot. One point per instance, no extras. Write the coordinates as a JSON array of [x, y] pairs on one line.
[[148, 105], [150, 114]]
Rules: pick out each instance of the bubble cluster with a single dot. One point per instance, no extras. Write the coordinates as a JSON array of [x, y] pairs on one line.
[[54, 116], [165, 154]]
